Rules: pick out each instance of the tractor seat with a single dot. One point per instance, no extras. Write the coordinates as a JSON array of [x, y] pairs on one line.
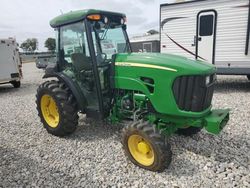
[[81, 61]]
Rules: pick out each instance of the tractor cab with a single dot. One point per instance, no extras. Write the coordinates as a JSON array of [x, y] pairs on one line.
[[87, 42]]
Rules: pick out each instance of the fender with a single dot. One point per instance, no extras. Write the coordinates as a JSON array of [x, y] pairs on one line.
[[75, 89]]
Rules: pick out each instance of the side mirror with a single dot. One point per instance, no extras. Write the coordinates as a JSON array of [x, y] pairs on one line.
[[103, 56]]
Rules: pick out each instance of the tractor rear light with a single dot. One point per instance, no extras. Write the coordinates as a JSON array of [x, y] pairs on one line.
[[124, 20], [106, 20], [95, 17]]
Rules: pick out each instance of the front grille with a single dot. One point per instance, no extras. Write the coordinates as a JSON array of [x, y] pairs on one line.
[[192, 93]]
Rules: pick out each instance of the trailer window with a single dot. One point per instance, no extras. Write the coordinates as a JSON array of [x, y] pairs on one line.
[[206, 25]]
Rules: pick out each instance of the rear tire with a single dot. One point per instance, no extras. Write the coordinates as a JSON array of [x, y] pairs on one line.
[[189, 131], [248, 77], [16, 84], [146, 147], [63, 119]]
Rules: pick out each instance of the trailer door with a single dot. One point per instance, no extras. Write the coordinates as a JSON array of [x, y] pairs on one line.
[[205, 35]]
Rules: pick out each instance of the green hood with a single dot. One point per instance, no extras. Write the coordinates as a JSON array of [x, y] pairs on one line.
[[170, 62]]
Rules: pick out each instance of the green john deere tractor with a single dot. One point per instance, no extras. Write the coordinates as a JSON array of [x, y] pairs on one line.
[[98, 75]]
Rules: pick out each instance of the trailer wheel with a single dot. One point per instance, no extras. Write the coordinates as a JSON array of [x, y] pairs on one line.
[[146, 147], [16, 84], [57, 108], [188, 131], [248, 77]]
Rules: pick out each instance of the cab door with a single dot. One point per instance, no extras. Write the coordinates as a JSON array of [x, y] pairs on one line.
[[76, 62], [206, 35]]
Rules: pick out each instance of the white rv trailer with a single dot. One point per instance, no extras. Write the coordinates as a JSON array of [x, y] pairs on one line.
[[10, 63], [216, 31]]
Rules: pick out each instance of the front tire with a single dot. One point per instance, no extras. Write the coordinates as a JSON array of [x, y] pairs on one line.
[[146, 147], [16, 84], [57, 108]]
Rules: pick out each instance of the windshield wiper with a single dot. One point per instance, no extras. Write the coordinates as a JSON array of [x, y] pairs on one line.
[[105, 32]]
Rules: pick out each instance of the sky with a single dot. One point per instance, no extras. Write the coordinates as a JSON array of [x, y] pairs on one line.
[[30, 18]]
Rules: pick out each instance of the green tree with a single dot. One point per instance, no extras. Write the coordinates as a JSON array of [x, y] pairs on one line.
[[30, 45], [50, 43], [24, 46]]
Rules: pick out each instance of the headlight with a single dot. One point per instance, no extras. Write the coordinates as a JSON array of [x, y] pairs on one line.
[[106, 20], [214, 77], [122, 21], [207, 80]]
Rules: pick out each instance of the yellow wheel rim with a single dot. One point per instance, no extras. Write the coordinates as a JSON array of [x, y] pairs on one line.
[[141, 150], [49, 111]]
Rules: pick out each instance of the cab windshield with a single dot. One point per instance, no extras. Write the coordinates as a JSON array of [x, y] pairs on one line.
[[109, 38]]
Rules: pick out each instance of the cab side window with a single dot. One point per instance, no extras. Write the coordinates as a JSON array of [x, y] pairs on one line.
[[73, 46]]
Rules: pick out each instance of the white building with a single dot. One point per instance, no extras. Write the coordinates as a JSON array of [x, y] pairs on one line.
[[145, 43]]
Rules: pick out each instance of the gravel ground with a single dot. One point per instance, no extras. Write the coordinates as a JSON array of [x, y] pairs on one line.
[[93, 155]]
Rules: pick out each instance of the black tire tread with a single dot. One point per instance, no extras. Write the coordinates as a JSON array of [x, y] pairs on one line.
[[158, 141], [67, 107], [16, 84]]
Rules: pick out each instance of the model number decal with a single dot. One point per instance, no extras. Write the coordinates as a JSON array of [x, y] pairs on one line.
[[127, 64]]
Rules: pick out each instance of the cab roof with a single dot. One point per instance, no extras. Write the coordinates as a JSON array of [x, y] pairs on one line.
[[78, 15]]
